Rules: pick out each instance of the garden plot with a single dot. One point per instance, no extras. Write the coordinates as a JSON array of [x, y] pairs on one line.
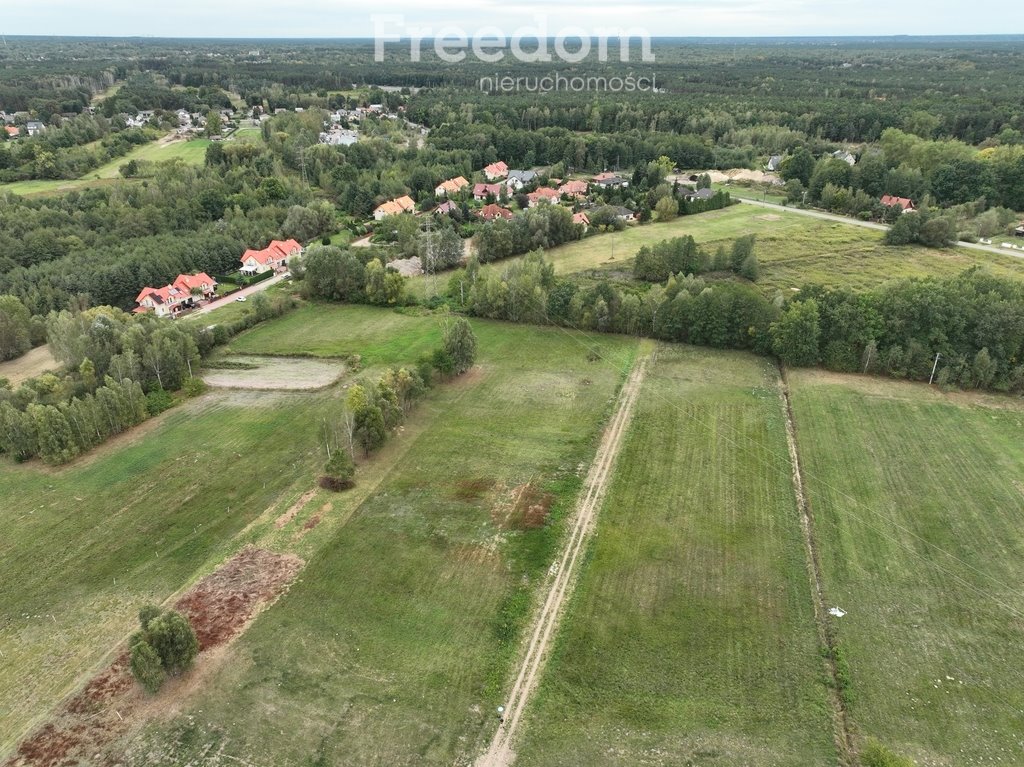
[[273, 373]]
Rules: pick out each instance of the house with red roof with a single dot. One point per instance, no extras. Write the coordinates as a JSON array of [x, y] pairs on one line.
[[481, 191], [582, 219], [446, 208], [573, 189], [544, 194], [274, 256], [12, 131], [906, 204], [492, 211], [184, 293], [496, 170]]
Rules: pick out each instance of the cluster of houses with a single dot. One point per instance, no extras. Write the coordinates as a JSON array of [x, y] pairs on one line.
[[14, 122], [190, 290], [501, 183]]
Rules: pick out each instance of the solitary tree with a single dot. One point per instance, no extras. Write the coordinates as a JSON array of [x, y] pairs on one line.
[[460, 344], [165, 644]]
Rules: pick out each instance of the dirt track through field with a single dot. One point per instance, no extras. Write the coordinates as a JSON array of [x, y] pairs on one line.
[[842, 731], [561, 577]]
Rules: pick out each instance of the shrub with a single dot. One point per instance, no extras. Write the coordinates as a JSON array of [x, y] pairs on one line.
[[146, 667], [194, 387], [874, 754], [339, 474], [165, 644], [157, 401]]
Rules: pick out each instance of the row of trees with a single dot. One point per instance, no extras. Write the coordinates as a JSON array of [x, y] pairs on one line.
[[353, 275], [975, 322], [682, 255]]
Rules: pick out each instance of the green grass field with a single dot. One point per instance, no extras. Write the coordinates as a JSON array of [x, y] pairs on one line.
[[190, 152], [86, 545], [393, 646], [918, 499], [691, 639], [793, 250]]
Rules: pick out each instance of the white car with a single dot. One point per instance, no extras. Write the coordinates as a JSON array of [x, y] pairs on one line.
[[240, 298]]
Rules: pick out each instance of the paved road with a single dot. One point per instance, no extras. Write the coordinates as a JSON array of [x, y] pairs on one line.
[[217, 304], [872, 225]]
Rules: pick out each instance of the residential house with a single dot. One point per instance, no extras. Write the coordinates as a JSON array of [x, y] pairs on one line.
[[845, 156], [774, 162], [446, 208], [575, 189], [517, 179], [394, 207], [339, 137], [34, 127], [624, 214], [6, 119], [608, 179], [481, 191], [450, 187], [170, 300], [700, 194], [492, 211], [582, 219], [275, 256], [906, 204], [495, 171], [1019, 231], [544, 194], [12, 131]]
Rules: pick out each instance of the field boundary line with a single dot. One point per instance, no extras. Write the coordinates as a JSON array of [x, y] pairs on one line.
[[561, 576], [842, 726]]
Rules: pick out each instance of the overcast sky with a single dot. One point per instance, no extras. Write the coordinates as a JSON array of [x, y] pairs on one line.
[[344, 18]]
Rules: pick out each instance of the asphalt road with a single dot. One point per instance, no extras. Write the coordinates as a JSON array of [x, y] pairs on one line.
[[872, 225], [234, 296]]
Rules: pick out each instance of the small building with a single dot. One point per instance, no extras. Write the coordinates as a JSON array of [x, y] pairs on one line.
[[275, 256], [847, 157], [582, 219], [395, 207], [34, 127], [446, 208], [450, 187], [544, 195], [574, 189], [492, 211], [906, 204], [624, 214], [481, 191], [774, 162], [1019, 231], [608, 179], [700, 194], [495, 171], [517, 179], [12, 131]]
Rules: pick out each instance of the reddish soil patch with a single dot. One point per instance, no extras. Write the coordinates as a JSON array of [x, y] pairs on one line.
[[527, 508], [312, 521], [219, 607]]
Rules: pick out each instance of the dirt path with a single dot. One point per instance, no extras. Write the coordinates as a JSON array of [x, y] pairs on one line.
[[560, 581], [842, 729]]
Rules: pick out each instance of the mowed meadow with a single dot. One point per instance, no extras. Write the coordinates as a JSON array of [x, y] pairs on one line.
[[691, 638], [394, 643], [918, 499], [793, 250]]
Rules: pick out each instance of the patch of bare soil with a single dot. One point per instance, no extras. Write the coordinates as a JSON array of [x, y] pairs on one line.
[[294, 509], [275, 373], [219, 607], [407, 267], [524, 508], [768, 217], [472, 489]]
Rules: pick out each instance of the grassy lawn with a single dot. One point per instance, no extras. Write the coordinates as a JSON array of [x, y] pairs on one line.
[[190, 152], [394, 644], [918, 499], [793, 250], [691, 637], [86, 545], [33, 363]]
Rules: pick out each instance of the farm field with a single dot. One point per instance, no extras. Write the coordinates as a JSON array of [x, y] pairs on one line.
[[86, 545], [918, 499], [394, 645], [792, 249], [190, 152], [691, 639]]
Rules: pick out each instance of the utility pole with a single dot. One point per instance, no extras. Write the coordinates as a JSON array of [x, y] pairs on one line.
[[934, 367]]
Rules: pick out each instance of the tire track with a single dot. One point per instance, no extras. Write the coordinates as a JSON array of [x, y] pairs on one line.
[[842, 727], [561, 577]]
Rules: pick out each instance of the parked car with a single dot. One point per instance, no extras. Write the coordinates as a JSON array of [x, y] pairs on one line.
[[240, 298]]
